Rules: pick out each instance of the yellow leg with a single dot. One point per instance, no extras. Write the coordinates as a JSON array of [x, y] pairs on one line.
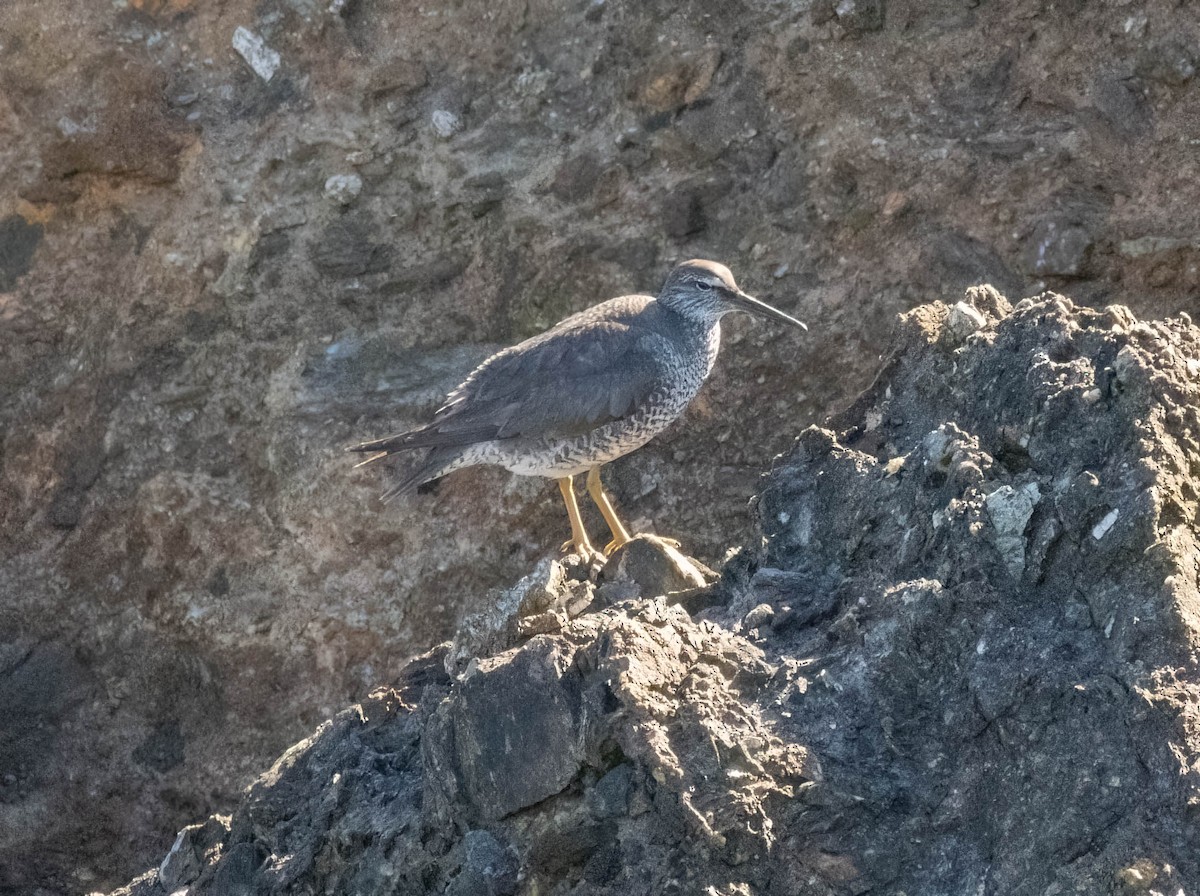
[[579, 536], [596, 490]]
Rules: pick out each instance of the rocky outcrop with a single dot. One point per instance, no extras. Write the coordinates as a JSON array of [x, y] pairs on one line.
[[962, 659], [239, 235]]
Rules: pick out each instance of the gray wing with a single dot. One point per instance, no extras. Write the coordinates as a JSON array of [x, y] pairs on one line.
[[594, 367], [560, 384]]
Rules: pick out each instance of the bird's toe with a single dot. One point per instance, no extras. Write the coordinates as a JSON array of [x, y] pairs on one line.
[[611, 547]]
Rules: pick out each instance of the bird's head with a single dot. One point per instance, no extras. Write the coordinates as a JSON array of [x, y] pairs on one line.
[[705, 291]]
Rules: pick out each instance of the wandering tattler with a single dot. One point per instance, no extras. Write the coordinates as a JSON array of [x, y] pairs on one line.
[[591, 389]]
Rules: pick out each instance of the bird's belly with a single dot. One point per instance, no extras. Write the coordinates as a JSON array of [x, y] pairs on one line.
[[555, 458]]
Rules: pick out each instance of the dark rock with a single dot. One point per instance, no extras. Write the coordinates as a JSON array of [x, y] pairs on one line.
[[610, 797], [436, 273], [1057, 247], [515, 731], [683, 213], [1010, 622], [162, 749], [486, 192], [18, 240], [1171, 62], [960, 260], [490, 869], [1123, 107], [576, 178], [195, 847], [348, 248]]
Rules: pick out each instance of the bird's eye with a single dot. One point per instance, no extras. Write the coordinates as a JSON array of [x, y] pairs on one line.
[[703, 284]]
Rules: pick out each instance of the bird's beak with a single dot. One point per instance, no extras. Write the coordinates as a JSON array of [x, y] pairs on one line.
[[744, 302]]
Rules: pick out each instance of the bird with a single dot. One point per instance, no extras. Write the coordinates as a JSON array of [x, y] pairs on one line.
[[592, 388]]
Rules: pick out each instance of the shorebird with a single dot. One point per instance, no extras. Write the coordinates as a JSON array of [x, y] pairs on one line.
[[593, 388]]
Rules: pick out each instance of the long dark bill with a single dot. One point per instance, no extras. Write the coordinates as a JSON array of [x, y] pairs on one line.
[[748, 303]]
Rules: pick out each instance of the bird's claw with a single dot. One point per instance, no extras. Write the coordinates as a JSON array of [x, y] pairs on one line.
[[585, 552], [612, 546]]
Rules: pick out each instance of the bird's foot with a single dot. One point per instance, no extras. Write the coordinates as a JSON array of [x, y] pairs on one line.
[[611, 547], [585, 552]]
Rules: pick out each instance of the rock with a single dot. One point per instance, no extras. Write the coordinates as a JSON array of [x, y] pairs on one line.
[[1014, 604], [649, 566], [1057, 248], [954, 679], [1009, 510], [1122, 107], [678, 79], [499, 626], [261, 58], [683, 213], [960, 260], [192, 852], [515, 730], [1171, 62], [860, 16], [343, 188], [346, 249], [855, 16], [400, 76], [962, 321], [576, 178], [490, 869], [445, 123], [18, 241]]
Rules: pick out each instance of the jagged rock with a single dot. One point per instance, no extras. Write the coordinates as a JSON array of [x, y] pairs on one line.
[[964, 657]]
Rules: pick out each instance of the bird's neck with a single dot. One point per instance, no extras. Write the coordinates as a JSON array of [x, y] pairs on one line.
[[713, 345], [704, 334]]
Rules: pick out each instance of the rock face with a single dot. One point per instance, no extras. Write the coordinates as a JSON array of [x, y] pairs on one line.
[[962, 659], [237, 236]]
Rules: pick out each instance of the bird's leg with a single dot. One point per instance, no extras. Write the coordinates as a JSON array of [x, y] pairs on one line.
[[596, 490], [579, 536]]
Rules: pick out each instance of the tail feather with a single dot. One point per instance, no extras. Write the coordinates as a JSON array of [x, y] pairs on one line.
[[370, 460], [438, 463], [428, 437], [387, 445]]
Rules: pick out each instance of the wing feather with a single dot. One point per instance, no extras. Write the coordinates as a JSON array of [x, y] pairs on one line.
[[594, 368]]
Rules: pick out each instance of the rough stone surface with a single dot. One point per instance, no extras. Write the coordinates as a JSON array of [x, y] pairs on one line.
[[878, 699], [191, 329]]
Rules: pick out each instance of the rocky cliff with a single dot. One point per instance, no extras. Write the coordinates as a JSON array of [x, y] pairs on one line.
[[960, 658], [237, 235]]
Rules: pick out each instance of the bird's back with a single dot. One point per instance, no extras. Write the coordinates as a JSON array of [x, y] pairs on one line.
[[593, 366]]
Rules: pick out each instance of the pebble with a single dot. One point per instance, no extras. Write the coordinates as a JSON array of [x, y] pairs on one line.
[[757, 617], [257, 54], [343, 188], [1101, 528], [962, 321], [1125, 364], [446, 123]]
